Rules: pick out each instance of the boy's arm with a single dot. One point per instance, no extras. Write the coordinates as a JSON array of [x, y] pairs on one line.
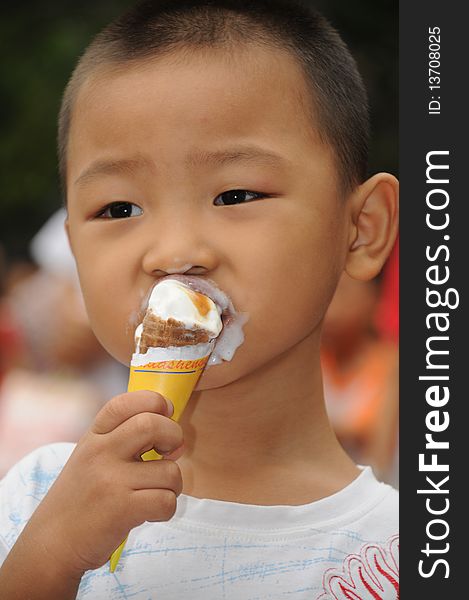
[[31, 573], [103, 491]]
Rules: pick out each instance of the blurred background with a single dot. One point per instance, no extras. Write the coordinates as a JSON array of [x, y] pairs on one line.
[[52, 381]]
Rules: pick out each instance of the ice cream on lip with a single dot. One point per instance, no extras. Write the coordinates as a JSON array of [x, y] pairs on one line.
[[184, 310]]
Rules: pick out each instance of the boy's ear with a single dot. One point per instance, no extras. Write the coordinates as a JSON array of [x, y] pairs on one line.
[[373, 227]]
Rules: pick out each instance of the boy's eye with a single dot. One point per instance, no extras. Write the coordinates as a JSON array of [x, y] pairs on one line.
[[120, 210], [236, 197]]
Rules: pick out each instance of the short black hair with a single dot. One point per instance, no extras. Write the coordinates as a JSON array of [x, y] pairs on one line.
[[154, 28]]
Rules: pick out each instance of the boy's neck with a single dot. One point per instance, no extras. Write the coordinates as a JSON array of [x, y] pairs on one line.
[[265, 439]]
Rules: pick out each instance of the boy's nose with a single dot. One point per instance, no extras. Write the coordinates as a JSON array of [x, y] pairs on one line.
[[176, 249], [185, 269]]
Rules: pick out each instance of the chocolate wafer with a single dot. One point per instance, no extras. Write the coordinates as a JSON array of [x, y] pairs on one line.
[[163, 333]]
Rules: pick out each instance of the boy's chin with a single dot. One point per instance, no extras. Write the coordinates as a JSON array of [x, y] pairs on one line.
[[228, 372], [218, 376]]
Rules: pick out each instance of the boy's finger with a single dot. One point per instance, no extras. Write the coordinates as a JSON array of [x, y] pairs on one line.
[[145, 431], [175, 454], [152, 475], [124, 406], [153, 505]]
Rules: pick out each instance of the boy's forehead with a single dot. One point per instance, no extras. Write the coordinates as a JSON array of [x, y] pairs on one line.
[[258, 78], [216, 95]]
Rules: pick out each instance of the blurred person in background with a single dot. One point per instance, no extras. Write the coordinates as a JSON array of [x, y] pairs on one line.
[[360, 367], [10, 339], [58, 374]]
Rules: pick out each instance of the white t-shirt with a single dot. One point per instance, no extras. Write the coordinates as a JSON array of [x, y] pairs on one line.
[[345, 546]]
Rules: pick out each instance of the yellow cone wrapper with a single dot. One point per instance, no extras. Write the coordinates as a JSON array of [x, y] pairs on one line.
[[174, 375]]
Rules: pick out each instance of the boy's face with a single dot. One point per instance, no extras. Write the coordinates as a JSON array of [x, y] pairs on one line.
[[168, 140]]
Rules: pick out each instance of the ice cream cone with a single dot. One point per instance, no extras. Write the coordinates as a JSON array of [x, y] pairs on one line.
[[174, 342], [174, 375]]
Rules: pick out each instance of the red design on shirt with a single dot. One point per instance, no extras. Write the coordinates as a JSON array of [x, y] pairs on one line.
[[371, 575]]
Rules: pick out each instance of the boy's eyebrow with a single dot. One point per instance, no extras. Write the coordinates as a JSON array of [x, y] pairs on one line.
[[113, 167], [245, 153]]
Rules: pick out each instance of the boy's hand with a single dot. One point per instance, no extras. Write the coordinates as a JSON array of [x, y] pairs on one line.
[[105, 489]]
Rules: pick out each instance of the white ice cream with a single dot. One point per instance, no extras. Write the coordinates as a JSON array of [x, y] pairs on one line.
[[179, 298], [171, 299]]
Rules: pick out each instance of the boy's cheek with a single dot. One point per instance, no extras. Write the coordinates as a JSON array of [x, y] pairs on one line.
[[110, 324], [287, 304], [119, 345], [266, 338]]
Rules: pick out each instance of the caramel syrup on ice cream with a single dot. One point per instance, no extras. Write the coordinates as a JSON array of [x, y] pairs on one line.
[[200, 301]]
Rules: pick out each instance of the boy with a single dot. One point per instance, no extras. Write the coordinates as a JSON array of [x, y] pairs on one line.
[[227, 141]]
